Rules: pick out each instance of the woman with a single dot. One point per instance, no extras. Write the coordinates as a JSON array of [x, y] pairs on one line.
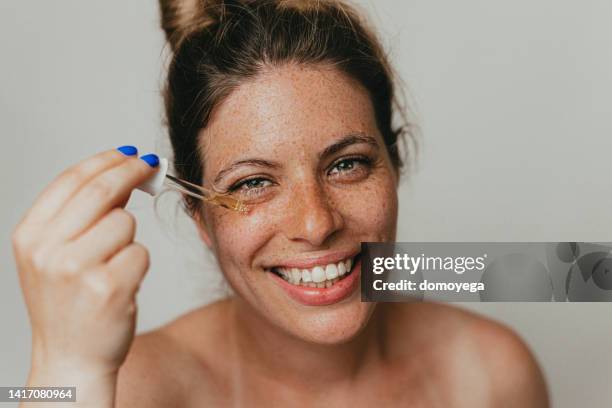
[[286, 106]]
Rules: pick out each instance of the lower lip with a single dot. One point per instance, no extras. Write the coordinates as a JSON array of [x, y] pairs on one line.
[[321, 296]]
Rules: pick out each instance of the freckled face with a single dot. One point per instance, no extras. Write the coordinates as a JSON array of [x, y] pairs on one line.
[[317, 179]]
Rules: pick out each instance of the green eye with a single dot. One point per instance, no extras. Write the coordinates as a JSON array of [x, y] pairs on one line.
[[251, 185], [345, 165], [254, 183], [349, 165]]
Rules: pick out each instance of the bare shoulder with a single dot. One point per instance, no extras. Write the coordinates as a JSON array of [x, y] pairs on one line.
[[515, 376], [472, 352], [165, 366]]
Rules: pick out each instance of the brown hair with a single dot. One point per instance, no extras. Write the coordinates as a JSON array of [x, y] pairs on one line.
[[217, 45]]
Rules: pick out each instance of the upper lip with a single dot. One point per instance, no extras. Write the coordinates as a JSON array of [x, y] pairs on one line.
[[307, 261]]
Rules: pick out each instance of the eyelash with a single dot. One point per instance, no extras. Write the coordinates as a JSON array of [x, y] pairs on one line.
[[240, 184], [363, 160]]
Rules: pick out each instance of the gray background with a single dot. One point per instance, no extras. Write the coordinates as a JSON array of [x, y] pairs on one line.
[[512, 98]]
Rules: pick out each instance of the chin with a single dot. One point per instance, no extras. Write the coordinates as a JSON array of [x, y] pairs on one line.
[[328, 325]]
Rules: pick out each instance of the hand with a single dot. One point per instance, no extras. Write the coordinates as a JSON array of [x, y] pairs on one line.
[[80, 268]]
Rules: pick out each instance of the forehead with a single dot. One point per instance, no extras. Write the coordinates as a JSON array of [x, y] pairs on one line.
[[286, 110]]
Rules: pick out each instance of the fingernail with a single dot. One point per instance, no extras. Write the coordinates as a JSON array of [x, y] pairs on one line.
[[128, 150], [151, 159]]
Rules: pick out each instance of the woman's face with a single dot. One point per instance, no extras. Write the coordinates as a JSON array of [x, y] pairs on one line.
[[300, 146]]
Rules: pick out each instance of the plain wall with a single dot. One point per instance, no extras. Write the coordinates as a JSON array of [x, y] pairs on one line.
[[513, 103]]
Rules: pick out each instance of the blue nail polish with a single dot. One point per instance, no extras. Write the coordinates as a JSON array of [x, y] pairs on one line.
[[151, 159], [128, 150]]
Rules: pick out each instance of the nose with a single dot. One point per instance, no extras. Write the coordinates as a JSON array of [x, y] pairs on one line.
[[312, 218]]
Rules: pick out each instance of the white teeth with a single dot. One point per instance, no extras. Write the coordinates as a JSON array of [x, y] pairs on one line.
[[318, 274], [296, 275], [341, 268], [331, 271]]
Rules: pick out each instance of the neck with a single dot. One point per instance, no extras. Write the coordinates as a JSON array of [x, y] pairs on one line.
[[272, 353]]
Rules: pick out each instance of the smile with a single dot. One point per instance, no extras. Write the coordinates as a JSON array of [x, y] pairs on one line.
[[320, 281], [320, 276]]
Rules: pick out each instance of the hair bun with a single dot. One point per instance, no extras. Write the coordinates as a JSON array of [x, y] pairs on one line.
[[179, 18]]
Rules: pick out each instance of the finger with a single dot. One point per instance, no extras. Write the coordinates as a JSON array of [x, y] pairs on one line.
[[98, 197], [129, 267], [105, 238], [123, 202], [68, 182]]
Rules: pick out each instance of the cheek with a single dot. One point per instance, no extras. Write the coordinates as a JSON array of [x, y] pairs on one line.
[[237, 238]]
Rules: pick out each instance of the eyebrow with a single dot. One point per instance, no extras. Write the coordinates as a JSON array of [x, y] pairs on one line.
[[346, 141], [341, 144]]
